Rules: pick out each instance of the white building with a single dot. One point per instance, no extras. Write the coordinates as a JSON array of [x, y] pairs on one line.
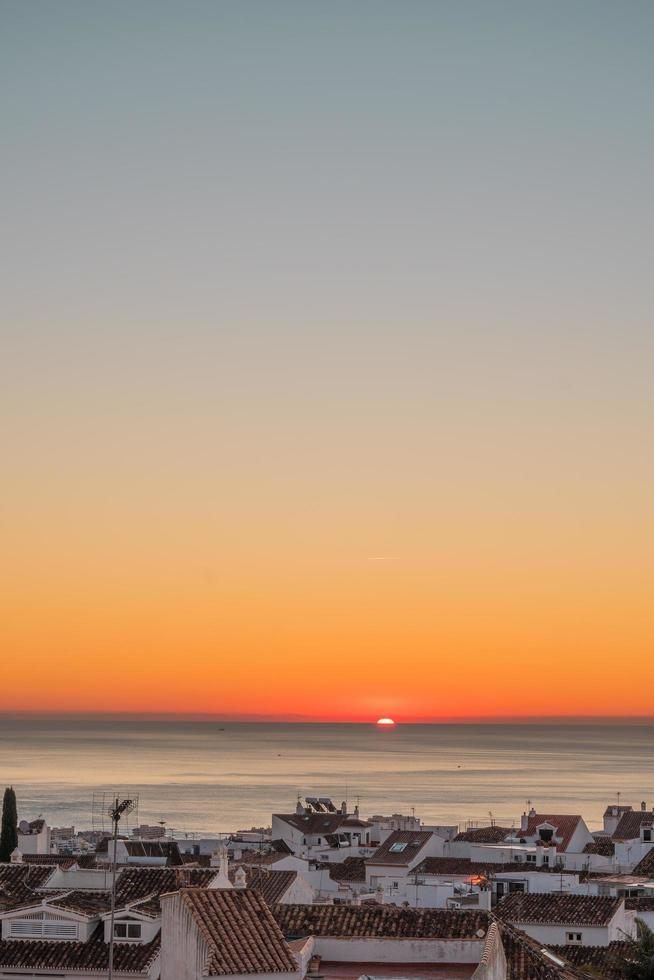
[[560, 920], [325, 835], [222, 932], [33, 837]]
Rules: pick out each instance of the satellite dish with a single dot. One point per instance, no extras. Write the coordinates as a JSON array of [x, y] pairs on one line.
[[24, 827]]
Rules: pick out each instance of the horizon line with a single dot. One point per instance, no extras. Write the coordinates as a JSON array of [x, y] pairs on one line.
[[258, 718]]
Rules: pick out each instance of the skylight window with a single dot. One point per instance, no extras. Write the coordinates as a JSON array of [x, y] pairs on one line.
[[397, 848]]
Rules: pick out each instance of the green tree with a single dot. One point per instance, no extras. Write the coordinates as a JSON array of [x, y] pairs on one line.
[[9, 831], [638, 961]]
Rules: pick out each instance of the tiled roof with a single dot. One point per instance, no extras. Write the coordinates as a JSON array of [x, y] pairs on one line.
[[409, 843], [382, 921], [53, 860], [601, 845], [630, 823], [134, 882], [18, 881], [646, 865], [485, 835], [463, 866], [321, 823], [150, 906], [351, 869], [613, 810], [565, 824], [272, 885], [526, 960], [259, 858], [86, 903], [197, 860], [558, 909], [644, 903], [602, 961], [39, 954], [239, 930]]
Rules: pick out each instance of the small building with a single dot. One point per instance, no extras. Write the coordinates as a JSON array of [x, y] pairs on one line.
[[568, 920], [222, 932], [324, 835], [33, 837], [400, 853]]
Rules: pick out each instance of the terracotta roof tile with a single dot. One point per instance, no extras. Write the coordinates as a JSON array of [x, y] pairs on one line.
[[351, 869], [464, 866], [239, 930], [646, 865], [384, 921], [526, 960], [88, 903], [559, 909], [565, 824], [134, 883], [630, 823], [271, 884], [43, 954], [485, 835], [401, 847], [644, 903], [603, 961], [19, 881], [322, 823], [53, 860], [601, 845]]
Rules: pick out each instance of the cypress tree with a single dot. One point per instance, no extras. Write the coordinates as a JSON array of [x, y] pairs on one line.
[[9, 831]]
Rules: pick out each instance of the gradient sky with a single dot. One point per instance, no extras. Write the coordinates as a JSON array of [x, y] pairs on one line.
[[327, 357]]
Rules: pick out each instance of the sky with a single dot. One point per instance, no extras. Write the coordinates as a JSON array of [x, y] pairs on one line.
[[326, 371]]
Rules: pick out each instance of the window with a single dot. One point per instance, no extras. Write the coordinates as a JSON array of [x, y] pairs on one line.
[[397, 848], [531, 859], [40, 927], [127, 930], [572, 938], [647, 835], [546, 859], [395, 884]]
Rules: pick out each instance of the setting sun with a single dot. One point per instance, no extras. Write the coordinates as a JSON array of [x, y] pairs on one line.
[[385, 723]]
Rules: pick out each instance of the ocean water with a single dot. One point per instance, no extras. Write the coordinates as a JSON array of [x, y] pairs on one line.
[[208, 777]]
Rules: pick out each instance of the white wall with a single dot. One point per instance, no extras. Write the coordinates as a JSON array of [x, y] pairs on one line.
[[554, 935], [35, 843], [376, 950], [493, 960]]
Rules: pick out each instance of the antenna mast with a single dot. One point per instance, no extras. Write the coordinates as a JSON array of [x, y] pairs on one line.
[[120, 808]]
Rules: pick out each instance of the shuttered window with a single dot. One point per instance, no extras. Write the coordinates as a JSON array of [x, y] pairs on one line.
[[42, 928]]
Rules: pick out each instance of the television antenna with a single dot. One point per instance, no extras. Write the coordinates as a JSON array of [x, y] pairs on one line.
[[118, 809]]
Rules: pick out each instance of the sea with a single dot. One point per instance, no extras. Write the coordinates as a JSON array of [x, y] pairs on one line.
[[204, 778]]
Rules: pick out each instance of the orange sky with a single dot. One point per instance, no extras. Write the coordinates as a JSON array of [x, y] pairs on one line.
[[268, 579], [326, 362]]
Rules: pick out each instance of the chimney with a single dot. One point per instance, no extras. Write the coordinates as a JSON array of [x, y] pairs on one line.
[[524, 822], [356, 811], [299, 809], [240, 878], [220, 859], [643, 806], [344, 808]]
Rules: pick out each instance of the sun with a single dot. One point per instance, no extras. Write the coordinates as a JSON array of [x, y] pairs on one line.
[[385, 723]]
